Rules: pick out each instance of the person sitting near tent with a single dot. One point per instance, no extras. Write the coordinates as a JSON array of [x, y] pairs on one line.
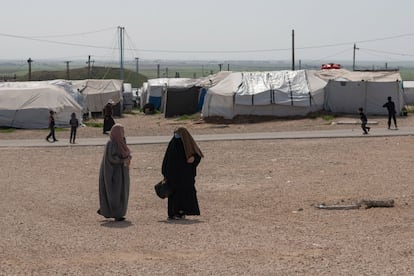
[[51, 127], [364, 121], [108, 120], [179, 169], [390, 105], [149, 108], [114, 176]]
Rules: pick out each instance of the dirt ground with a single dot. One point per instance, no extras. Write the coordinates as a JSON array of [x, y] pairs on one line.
[[257, 201]]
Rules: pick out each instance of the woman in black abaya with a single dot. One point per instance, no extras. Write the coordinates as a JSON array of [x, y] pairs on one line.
[[179, 167]]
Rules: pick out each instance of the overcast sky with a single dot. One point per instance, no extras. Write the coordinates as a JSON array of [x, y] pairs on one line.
[[325, 30]]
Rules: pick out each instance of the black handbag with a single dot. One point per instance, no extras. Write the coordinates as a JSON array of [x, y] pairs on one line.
[[162, 189]]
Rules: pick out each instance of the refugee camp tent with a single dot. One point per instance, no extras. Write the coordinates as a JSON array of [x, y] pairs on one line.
[[27, 104], [177, 96], [408, 88], [127, 97], [97, 93], [275, 93], [157, 88], [143, 95], [346, 91]]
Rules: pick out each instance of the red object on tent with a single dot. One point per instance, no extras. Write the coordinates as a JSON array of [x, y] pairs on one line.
[[331, 66]]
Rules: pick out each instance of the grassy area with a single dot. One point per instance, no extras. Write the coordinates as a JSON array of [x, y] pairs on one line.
[[7, 130], [188, 117], [93, 124]]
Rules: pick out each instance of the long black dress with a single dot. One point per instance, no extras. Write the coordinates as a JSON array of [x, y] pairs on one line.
[[108, 120], [181, 176]]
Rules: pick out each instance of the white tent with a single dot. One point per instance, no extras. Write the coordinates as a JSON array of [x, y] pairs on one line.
[[27, 104], [346, 91], [276, 93], [408, 87], [156, 89], [97, 93]]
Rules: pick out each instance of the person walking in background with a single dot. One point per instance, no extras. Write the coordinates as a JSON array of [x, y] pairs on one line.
[[108, 120], [179, 168], [51, 127], [364, 121], [74, 124], [390, 105], [114, 176]]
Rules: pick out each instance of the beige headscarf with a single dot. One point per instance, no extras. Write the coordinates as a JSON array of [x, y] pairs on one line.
[[190, 146], [117, 136]]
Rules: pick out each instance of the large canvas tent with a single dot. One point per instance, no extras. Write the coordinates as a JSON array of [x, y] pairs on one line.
[[27, 104], [178, 96], [157, 89], [408, 87], [346, 91], [97, 93], [275, 93]]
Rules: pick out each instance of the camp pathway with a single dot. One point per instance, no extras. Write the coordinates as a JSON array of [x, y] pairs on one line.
[[141, 140]]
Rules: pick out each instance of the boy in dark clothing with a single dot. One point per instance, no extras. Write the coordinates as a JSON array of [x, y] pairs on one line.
[[51, 127], [390, 105], [364, 121], [74, 124]]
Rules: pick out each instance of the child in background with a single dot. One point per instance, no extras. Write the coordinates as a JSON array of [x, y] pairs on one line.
[[51, 127], [364, 121], [74, 124]]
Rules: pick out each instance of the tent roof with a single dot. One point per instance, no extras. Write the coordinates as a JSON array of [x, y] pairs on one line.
[[173, 82], [346, 75]]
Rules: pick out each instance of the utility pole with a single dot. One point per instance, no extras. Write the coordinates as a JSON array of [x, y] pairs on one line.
[[89, 66], [67, 70], [137, 69], [29, 61], [158, 70], [121, 49], [293, 50], [353, 60]]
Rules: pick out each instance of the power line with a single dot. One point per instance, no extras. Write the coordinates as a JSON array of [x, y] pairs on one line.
[[134, 49], [54, 42], [386, 52], [74, 34]]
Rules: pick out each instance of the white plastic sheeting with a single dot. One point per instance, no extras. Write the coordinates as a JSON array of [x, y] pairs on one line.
[[276, 93], [281, 87], [291, 93], [408, 88], [348, 96], [27, 104], [97, 93]]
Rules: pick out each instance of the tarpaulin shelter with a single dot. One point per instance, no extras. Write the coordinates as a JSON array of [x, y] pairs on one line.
[[408, 88], [275, 93], [346, 91], [97, 93], [27, 104]]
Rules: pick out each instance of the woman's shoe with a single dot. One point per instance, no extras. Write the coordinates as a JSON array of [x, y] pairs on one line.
[[120, 219]]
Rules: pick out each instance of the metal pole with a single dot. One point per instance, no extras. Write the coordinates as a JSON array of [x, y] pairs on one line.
[[137, 69], [29, 61], [67, 70], [293, 50], [353, 60], [89, 66], [121, 48]]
